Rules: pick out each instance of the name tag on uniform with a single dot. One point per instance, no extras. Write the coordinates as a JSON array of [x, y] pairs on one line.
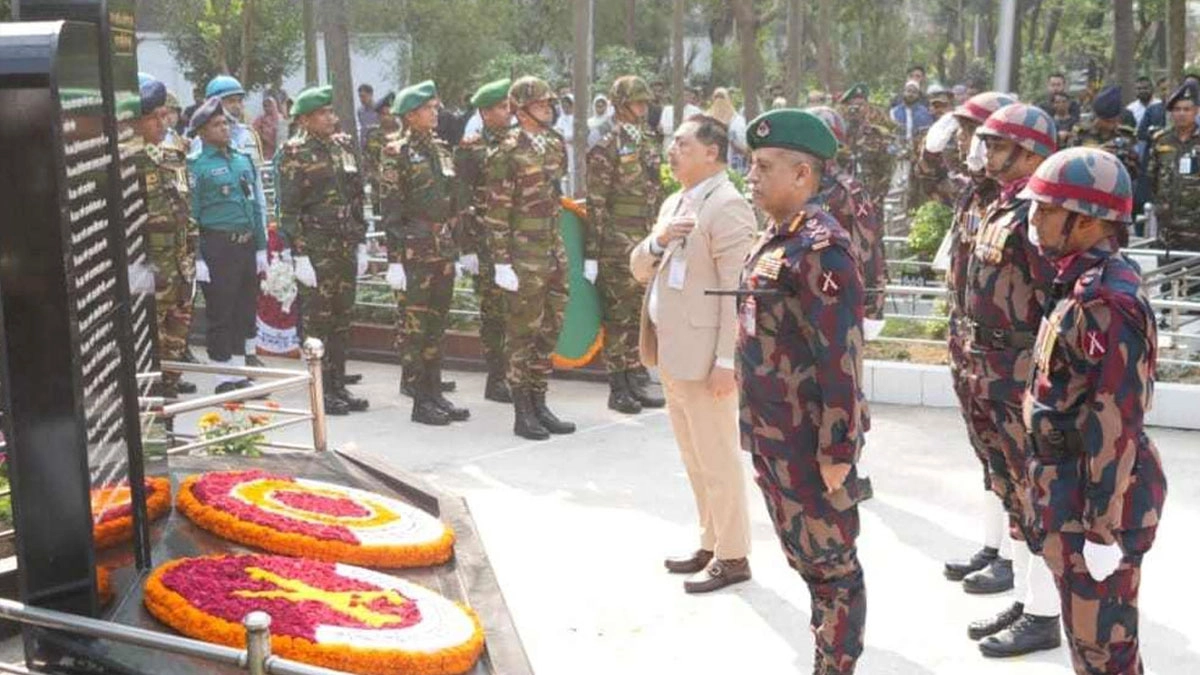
[[1186, 165], [747, 318], [349, 164], [448, 169], [677, 273]]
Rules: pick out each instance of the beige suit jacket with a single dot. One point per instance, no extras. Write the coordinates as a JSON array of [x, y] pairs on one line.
[[694, 331]]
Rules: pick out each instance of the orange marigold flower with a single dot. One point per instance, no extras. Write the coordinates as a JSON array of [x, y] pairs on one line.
[[233, 406], [260, 420], [273, 405]]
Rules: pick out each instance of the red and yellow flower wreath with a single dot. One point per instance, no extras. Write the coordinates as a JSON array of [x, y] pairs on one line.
[[112, 510]]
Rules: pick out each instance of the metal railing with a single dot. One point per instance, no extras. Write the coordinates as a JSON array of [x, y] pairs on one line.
[[255, 659]]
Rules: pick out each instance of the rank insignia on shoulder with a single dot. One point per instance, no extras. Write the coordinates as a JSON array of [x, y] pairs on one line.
[[821, 245], [1095, 344]]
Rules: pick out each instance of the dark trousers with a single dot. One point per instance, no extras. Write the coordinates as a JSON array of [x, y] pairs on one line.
[[231, 298]]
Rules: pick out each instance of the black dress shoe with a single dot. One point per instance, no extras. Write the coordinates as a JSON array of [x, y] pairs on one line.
[[997, 577], [252, 361], [185, 387], [233, 385], [353, 379], [1026, 635], [977, 630], [689, 564], [336, 406], [355, 404], [957, 569]]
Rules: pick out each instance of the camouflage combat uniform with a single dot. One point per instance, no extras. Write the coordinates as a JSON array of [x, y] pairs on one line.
[[1176, 194], [320, 211], [847, 201], [1121, 142], [470, 159], [624, 193], [373, 146], [867, 156], [171, 239], [417, 195], [800, 369]]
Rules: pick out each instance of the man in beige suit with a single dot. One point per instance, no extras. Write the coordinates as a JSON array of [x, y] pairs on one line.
[[700, 240]]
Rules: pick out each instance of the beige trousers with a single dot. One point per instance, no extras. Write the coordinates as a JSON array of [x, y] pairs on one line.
[[707, 432]]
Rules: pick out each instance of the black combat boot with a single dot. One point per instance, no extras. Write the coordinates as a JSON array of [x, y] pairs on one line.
[[619, 396], [434, 375], [353, 379], [497, 387], [957, 569], [408, 387], [185, 387], [548, 419], [356, 404], [643, 389], [334, 405], [977, 630], [997, 577], [526, 424], [252, 361], [425, 409], [1026, 635]]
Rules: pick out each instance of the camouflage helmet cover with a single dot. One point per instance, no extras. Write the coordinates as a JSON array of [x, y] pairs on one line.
[[528, 90], [833, 120], [1027, 126], [981, 106], [629, 89], [1088, 181]]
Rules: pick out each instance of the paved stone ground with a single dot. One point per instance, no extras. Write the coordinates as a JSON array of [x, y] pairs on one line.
[[576, 529]]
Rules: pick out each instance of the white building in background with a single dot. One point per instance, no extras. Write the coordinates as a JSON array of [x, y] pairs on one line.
[[378, 60]]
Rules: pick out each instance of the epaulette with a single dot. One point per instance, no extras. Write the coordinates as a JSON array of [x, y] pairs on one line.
[[1089, 288]]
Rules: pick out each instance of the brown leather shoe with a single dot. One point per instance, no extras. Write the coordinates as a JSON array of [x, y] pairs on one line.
[[718, 575], [689, 564]]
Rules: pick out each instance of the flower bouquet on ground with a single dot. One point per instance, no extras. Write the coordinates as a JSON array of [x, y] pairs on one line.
[[215, 425]]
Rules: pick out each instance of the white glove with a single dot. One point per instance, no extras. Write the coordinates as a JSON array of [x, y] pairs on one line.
[[362, 260], [286, 255], [872, 328], [202, 274], [506, 278], [396, 278], [469, 263], [940, 134], [1102, 559], [260, 262], [305, 273], [977, 157], [591, 269], [141, 278]]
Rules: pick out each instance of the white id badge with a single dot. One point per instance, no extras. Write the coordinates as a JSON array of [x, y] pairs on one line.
[[677, 273], [747, 317], [1185, 165]]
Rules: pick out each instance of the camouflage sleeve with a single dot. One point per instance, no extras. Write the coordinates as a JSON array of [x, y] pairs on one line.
[[501, 189], [391, 195], [831, 293], [291, 198], [466, 166], [874, 263], [600, 182], [1120, 362]]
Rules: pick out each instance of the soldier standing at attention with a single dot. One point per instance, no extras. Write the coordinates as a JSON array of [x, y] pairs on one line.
[[799, 352], [624, 193], [866, 154], [1174, 170], [375, 140], [523, 176], [170, 237], [417, 193], [491, 100], [320, 213], [1097, 480], [1110, 130], [1008, 287]]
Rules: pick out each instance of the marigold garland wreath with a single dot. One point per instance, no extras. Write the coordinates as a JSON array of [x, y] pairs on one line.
[[325, 614], [313, 519], [104, 592], [112, 510]]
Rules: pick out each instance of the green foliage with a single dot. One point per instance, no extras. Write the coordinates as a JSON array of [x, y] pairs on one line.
[[670, 185], [614, 61], [206, 39], [514, 66], [928, 227]]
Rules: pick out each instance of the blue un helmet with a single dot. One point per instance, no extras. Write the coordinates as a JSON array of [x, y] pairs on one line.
[[223, 86]]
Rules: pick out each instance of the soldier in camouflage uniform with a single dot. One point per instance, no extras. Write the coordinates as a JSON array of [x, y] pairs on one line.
[[1096, 480], [1008, 284], [1174, 169], [491, 100], [170, 234], [418, 197], [523, 175], [844, 197], [803, 415], [624, 193], [867, 153], [1109, 130], [376, 139], [320, 214]]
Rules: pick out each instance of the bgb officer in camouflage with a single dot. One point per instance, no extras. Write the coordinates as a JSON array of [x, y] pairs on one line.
[[845, 198], [624, 193], [470, 157], [418, 198], [800, 342], [170, 234], [1096, 479], [1174, 169], [1112, 129], [867, 152], [1008, 284], [377, 138], [523, 176], [320, 213]]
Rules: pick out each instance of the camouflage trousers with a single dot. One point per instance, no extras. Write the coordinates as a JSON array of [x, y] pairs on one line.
[[1101, 618], [423, 310], [621, 298], [999, 430], [820, 545], [959, 367], [327, 310], [491, 313], [532, 321], [173, 306]]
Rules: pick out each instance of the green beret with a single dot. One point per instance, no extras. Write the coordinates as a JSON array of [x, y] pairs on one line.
[[792, 129], [857, 90], [313, 98], [490, 94], [413, 97]]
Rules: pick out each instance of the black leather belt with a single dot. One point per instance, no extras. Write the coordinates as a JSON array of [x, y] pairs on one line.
[[1001, 338]]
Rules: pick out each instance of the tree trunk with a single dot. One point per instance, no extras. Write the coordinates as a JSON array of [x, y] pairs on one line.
[[581, 81], [793, 71], [311, 76], [337, 59], [678, 9], [1123, 38], [1176, 39], [1052, 23], [747, 32], [958, 67], [247, 40], [826, 57], [631, 24]]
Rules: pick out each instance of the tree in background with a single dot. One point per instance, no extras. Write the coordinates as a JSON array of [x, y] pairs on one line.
[[206, 38]]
